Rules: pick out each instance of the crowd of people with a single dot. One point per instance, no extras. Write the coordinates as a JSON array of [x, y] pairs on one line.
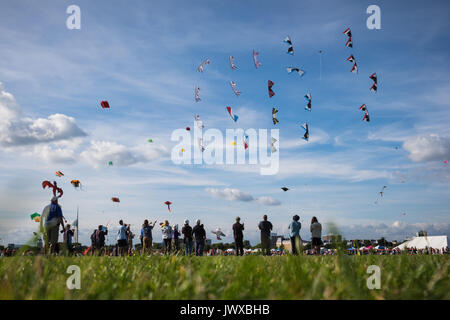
[[193, 238]]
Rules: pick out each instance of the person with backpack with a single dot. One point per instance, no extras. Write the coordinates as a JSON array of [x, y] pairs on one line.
[[53, 216], [238, 237], [200, 237], [167, 237], [294, 233], [187, 233], [100, 234]]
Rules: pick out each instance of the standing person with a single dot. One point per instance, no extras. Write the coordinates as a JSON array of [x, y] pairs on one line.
[[200, 237], [167, 237], [53, 219], [68, 235], [176, 237], [100, 239], [93, 242], [294, 233], [187, 233], [265, 227], [147, 239], [238, 237], [130, 237], [316, 234], [122, 238]]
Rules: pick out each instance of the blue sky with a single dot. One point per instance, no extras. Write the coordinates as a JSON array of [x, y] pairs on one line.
[[142, 58]]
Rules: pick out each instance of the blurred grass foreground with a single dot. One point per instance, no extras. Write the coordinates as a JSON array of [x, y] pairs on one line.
[[226, 277]]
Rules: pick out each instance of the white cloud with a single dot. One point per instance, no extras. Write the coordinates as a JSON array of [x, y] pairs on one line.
[[101, 152], [18, 130], [431, 147], [238, 195]]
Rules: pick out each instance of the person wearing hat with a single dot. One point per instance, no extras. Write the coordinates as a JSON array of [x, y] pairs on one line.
[[187, 233], [53, 216], [200, 237], [238, 237], [294, 233]]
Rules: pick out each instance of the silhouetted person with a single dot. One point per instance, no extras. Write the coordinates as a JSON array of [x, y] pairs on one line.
[[265, 227], [238, 237]]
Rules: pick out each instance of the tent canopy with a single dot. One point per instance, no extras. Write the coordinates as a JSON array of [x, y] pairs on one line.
[[435, 242]]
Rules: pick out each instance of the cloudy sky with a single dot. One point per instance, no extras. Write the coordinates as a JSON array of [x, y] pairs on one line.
[[143, 57]]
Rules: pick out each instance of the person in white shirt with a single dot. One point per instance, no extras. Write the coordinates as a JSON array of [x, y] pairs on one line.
[[316, 235], [122, 238], [167, 237]]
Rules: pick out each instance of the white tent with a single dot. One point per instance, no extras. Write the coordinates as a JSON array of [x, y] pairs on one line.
[[435, 242]]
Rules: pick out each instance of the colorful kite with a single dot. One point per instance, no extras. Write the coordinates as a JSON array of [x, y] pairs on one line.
[[366, 113], [197, 97], [272, 144], [255, 59], [233, 66], [53, 186], [352, 60], [306, 135], [188, 129], [233, 86], [168, 203], [233, 116], [75, 183], [245, 142], [150, 140], [182, 150], [199, 122], [59, 174], [105, 104], [218, 234], [374, 87], [292, 69], [202, 65], [349, 43], [308, 98], [291, 48], [274, 116], [284, 189], [110, 163], [36, 217], [270, 84], [115, 199], [381, 193]]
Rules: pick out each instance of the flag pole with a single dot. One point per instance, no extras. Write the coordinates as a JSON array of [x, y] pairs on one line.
[[78, 223]]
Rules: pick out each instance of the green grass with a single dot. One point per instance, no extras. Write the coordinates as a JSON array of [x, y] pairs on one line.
[[229, 277]]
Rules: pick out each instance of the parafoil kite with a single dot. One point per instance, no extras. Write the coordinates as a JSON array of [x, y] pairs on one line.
[[202, 65], [53, 186], [233, 66], [255, 59], [292, 69], [105, 104], [274, 116], [110, 163], [59, 174], [289, 42], [270, 84], [150, 140], [199, 122], [218, 233], [366, 113], [245, 141], [308, 98], [306, 135], [36, 217], [284, 189], [182, 150], [349, 42], [75, 183], [272, 144], [374, 87], [352, 60], [188, 129], [115, 199], [168, 203], [233, 86], [197, 97], [233, 116]]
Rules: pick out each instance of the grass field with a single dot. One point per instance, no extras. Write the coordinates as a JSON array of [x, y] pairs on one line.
[[226, 277]]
